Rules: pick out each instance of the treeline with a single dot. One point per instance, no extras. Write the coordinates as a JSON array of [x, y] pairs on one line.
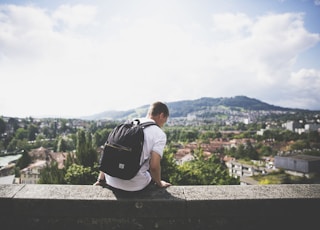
[[82, 144]]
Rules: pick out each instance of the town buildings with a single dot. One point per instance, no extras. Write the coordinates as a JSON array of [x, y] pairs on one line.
[[299, 165], [31, 174]]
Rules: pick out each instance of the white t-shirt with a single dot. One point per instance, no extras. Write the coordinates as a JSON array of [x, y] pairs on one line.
[[154, 140]]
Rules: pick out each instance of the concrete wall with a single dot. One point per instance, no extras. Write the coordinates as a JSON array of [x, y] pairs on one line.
[[77, 207]]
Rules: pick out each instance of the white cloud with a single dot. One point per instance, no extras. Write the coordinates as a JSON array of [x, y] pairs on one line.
[[233, 23], [22, 28], [265, 55], [301, 90], [76, 15], [306, 84], [80, 58]]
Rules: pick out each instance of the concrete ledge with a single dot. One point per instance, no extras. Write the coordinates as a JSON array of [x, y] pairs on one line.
[[177, 207]]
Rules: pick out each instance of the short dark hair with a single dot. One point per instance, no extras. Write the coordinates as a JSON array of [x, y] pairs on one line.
[[157, 108]]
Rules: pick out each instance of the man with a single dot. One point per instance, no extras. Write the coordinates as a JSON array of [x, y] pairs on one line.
[[154, 142]]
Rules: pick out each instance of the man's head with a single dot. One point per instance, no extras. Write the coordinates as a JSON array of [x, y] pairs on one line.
[[159, 112]]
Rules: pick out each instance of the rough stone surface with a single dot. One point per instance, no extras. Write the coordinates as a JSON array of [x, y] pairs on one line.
[[8, 191], [177, 207]]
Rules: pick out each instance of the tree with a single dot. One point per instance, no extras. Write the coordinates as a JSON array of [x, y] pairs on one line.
[[32, 132], [71, 159], [13, 124], [244, 151], [299, 145], [314, 138], [97, 140], [51, 174], [241, 152], [21, 134], [80, 175], [207, 136], [86, 154], [188, 135], [168, 164], [92, 155], [100, 137], [16, 144], [2, 126], [62, 145], [65, 144], [252, 153], [203, 171], [81, 147], [63, 126], [266, 150], [24, 161]]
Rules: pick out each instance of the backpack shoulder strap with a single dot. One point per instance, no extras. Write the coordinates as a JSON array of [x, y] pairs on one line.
[[147, 124], [144, 124]]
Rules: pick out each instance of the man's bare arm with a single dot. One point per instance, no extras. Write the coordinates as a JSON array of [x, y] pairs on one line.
[[155, 170]]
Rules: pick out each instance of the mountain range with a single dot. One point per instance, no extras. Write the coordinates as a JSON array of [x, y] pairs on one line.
[[205, 105]]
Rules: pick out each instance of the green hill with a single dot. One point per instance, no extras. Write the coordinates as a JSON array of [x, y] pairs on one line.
[[205, 106]]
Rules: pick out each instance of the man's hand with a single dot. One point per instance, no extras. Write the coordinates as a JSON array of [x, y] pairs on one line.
[[164, 184]]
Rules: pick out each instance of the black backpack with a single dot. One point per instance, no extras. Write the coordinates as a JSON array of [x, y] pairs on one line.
[[122, 150]]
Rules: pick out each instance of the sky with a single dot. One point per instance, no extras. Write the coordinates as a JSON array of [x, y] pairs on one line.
[[78, 58]]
